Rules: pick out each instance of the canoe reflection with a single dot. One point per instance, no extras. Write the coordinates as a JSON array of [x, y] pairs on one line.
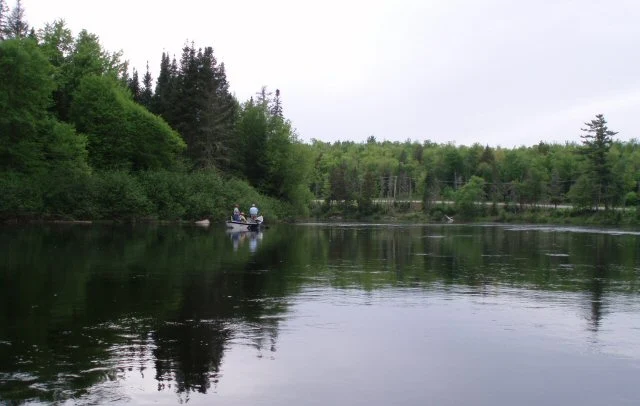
[[240, 237]]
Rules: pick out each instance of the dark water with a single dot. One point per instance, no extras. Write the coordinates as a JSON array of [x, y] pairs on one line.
[[319, 315]]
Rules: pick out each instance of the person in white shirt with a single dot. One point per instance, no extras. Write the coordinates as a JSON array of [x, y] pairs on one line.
[[253, 212]]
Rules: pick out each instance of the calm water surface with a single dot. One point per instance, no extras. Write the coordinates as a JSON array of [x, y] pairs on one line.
[[319, 314]]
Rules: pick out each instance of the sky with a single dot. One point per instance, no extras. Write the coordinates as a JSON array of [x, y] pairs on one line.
[[496, 72]]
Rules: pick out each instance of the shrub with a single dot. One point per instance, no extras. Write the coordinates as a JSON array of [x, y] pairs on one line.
[[21, 196], [67, 194], [118, 195]]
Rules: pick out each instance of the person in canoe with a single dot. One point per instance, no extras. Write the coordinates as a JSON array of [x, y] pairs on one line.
[[236, 213], [253, 212]]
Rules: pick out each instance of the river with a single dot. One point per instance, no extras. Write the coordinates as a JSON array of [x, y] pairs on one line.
[[319, 314]]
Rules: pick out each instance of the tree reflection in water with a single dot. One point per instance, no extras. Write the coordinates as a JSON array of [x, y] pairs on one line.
[[84, 306]]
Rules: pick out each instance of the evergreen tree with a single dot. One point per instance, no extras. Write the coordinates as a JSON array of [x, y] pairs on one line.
[[147, 94], [278, 158], [199, 106], [134, 86], [431, 191], [263, 98], [4, 10], [418, 151], [276, 108], [338, 184], [555, 189], [597, 141], [187, 107], [221, 117], [273, 159], [16, 26], [252, 135], [162, 95], [367, 194]]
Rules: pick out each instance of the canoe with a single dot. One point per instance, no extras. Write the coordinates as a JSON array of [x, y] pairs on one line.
[[248, 226]]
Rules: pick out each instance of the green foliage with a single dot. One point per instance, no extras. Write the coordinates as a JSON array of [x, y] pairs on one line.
[[56, 42], [146, 93], [365, 198], [341, 187], [64, 148], [116, 195], [120, 144], [25, 87], [21, 196], [4, 10], [31, 140], [274, 161], [69, 194], [522, 178], [203, 194], [431, 191], [122, 135], [582, 192], [597, 141], [194, 99], [84, 57], [166, 193], [16, 26], [252, 140], [133, 84], [470, 194], [97, 111]]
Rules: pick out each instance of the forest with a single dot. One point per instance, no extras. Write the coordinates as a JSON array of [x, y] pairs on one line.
[[84, 136]]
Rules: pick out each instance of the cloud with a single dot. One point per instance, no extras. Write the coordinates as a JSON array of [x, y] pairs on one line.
[[496, 71]]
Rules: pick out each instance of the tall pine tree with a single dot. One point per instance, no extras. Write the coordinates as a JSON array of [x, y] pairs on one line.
[[4, 10], [134, 86], [597, 141], [197, 103], [147, 94], [276, 108], [165, 96], [17, 26]]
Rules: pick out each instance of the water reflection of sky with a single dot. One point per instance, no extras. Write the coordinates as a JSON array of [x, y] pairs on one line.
[[416, 346], [354, 314]]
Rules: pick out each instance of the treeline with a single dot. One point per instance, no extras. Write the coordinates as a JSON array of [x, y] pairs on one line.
[[82, 138], [599, 173]]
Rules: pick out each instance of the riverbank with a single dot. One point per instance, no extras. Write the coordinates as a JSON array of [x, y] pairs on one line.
[[387, 214], [487, 214]]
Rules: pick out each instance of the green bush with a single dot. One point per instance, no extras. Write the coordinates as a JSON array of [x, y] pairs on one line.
[[119, 196], [203, 194], [165, 192], [68, 194], [21, 196], [122, 196]]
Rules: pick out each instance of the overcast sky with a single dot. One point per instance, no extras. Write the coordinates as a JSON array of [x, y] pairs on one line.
[[497, 72]]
